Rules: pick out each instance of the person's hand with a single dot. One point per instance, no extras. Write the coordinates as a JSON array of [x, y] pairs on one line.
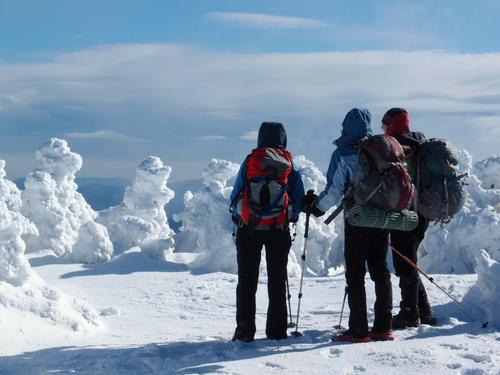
[[308, 201], [235, 219], [315, 211], [294, 220]]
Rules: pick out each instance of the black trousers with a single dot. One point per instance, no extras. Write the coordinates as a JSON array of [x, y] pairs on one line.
[[248, 246], [367, 246], [413, 292]]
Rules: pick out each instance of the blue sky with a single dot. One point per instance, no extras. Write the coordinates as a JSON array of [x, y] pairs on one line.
[[190, 80]]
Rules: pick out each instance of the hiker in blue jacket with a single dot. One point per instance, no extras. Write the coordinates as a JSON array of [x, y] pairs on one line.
[[362, 245], [267, 179]]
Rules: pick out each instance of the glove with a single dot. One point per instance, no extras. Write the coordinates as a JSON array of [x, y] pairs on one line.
[[308, 201], [235, 219], [315, 211], [294, 220]]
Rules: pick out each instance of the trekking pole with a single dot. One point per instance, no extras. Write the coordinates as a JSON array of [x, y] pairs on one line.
[[296, 333], [340, 208], [291, 324], [338, 326], [483, 325]]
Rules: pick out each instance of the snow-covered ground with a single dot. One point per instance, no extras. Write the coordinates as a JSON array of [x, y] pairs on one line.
[[159, 318], [152, 301]]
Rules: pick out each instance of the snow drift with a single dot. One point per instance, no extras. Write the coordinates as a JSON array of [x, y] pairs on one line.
[[484, 295], [20, 287], [64, 219], [141, 220]]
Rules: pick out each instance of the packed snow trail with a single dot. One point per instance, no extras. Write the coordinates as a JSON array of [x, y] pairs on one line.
[[163, 319]]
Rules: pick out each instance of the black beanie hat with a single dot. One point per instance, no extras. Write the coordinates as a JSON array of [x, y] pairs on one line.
[[271, 134]]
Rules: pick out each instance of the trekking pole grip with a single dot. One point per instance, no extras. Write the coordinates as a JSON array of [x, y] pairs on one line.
[[310, 193]]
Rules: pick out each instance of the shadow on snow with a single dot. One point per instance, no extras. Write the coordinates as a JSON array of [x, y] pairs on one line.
[[183, 357], [126, 264]]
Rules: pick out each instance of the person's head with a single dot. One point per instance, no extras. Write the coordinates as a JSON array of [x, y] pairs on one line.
[[271, 134], [396, 121], [355, 127], [356, 124]]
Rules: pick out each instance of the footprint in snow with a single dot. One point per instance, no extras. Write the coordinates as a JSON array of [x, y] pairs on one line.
[[359, 368], [274, 365], [473, 371], [452, 346], [477, 358], [332, 353]]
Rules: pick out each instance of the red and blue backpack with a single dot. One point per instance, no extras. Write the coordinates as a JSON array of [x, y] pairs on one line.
[[264, 201]]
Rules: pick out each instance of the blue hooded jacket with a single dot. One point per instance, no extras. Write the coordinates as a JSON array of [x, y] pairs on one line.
[[344, 164]]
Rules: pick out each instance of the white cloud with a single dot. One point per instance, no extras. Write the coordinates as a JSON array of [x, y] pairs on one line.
[[213, 137], [265, 21], [101, 135], [168, 94], [250, 136]]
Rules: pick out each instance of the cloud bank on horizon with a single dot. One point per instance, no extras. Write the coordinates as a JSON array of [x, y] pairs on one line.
[[127, 101], [119, 97]]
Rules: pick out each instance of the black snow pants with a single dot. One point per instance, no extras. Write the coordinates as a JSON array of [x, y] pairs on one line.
[[413, 292], [248, 246], [367, 246]]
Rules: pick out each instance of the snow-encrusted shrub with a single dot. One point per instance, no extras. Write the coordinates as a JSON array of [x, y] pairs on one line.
[[141, 220], [484, 296], [51, 201], [206, 223], [488, 172], [207, 226], [14, 267], [452, 248], [325, 242], [20, 287]]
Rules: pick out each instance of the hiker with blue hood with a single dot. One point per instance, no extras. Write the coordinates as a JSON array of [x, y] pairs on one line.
[[362, 245], [266, 198]]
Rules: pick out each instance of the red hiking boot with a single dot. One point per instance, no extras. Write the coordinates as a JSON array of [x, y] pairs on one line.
[[382, 336], [349, 336]]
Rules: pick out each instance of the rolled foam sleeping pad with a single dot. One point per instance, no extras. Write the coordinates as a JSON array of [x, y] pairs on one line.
[[372, 217]]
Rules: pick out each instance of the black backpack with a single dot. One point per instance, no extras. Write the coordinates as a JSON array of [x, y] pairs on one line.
[[440, 189]]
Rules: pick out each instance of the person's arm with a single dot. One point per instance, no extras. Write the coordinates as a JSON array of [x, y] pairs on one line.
[[238, 187], [336, 178], [295, 191]]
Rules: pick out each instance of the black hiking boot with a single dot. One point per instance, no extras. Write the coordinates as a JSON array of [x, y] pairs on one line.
[[239, 335], [406, 317], [427, 317]]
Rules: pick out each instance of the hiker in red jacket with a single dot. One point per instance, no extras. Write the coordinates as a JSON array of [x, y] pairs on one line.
[[415, 306]]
